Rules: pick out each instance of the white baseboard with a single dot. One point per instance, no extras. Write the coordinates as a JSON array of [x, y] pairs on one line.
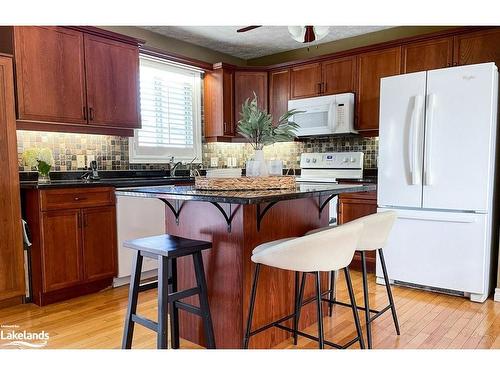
[[120, 281], [497, 295]]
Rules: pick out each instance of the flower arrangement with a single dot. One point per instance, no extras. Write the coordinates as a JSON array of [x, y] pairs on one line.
[[257, 126], [41, 159]]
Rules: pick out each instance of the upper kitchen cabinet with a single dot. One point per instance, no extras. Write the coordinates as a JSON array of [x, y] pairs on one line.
[[246, 83], [219, 103], [427, 55], [478, 47], [11, 244], [279, 93], [50, 74], [305, 81], [339, 76], [74, 79], [112, 70], [372, 66]]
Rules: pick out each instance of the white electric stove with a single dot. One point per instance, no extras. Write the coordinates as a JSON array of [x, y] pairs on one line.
[[328, 167]]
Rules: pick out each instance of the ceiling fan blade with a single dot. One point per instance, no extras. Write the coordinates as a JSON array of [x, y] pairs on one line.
[[309, 35], [248, 28]]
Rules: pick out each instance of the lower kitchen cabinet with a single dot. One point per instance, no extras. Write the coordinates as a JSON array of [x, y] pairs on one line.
[[74, 248], [351, 207]]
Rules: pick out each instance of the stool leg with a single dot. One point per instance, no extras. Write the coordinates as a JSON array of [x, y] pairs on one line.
[[367, 302], [332, 293], [389, 291], [205, 308], [162, 341], [353, 307], [253, 293], [299, 304], [133, 295], [174, 311], [296, 310], [320, 311]]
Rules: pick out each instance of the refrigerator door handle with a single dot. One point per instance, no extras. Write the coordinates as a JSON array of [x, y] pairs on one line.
[[431, 101], [412, 139]]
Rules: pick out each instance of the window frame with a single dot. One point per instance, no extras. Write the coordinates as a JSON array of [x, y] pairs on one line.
[[179, 154]]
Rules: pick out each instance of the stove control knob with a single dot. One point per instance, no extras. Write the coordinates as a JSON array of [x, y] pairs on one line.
[[353, 160], [308, 160], [314, 160], [346, 160]]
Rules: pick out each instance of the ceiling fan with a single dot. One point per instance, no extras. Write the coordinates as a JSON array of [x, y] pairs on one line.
[[302, 34]]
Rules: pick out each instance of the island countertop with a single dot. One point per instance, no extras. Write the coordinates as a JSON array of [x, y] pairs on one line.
[[302, 190]]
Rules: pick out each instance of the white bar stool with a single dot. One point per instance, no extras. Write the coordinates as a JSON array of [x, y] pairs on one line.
[[308, 254], [376, 230]]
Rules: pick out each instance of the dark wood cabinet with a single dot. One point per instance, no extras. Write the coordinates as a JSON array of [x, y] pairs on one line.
[[477, 47], [98, 237], [427, 55], [339, 76], [305, 81], [11, 243], [74, 249], [279, 93], [246, 83], [74, 79], [351, 207], [219, 103], [112, 71], [50, 74], [373, 66], [62, 258]]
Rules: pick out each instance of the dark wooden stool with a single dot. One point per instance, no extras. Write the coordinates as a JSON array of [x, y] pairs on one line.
[[167, 249]]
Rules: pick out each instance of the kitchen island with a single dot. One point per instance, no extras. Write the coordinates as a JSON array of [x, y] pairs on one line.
[[236, 222]]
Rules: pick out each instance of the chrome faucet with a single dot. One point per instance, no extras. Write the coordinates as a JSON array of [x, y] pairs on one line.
[[173, 167], [92, 173]]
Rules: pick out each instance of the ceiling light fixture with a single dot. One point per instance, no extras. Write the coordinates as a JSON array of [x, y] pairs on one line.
[[308, 34]]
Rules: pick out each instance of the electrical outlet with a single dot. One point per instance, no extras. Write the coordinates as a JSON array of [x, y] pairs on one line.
[[80, 161], [214, 162]]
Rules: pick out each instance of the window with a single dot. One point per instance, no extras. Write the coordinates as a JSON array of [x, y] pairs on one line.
[[170, 113]]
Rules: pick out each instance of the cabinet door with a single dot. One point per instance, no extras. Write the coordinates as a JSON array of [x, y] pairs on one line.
[[339, 76], [112, 73], [11, 246], [228, 122], [373, 66], [477, 47], [305, 81], [50, 74], [427, 55], [99, 242], [61, 249], [245, 85], [279, 93], [351, 207]]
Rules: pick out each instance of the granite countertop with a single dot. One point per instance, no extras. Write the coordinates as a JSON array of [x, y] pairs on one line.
[[302, 190], [117, 179]]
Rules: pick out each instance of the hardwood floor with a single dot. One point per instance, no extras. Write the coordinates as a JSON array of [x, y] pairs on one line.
[[427, 320]]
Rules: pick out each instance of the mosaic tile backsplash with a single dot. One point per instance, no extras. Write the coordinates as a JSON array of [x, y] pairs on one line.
[[111, 152]]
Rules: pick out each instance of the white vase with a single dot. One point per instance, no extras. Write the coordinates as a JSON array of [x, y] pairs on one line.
[[261, 166]]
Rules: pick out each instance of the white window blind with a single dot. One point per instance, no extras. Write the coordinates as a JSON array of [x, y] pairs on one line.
[[170, 113]]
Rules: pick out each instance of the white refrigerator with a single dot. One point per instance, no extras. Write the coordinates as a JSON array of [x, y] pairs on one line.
[[436, 169]]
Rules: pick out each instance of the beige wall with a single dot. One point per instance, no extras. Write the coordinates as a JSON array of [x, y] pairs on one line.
[[345, 44], [174, 45]]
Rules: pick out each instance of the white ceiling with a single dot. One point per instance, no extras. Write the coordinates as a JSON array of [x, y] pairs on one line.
[[259, 42]]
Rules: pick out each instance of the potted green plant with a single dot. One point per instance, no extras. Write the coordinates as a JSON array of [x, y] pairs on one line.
[[41, 159], [257, 126]]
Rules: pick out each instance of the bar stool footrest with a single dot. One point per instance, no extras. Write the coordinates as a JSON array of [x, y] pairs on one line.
[[189, 308], [145, 322]]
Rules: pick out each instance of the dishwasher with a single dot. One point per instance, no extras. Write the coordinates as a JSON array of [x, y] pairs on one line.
[[137, 217]]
